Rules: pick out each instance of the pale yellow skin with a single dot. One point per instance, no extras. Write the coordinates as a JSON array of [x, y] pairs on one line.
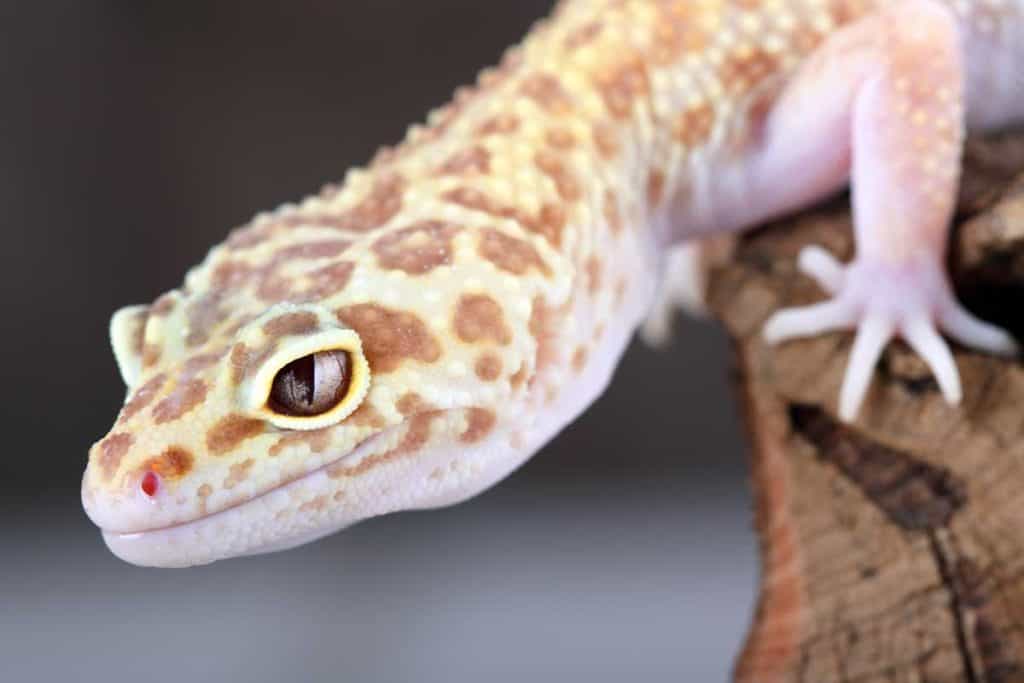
[[485, 274]]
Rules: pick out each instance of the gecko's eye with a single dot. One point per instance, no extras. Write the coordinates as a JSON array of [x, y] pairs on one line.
[[311, 385]]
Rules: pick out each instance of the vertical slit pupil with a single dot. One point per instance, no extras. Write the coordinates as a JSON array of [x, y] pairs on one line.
[[312, 384]]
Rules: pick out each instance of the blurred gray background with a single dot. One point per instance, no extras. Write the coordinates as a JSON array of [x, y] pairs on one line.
[[132, 137]]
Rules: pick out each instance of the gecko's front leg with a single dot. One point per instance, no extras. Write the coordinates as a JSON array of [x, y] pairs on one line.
[[883, 102]]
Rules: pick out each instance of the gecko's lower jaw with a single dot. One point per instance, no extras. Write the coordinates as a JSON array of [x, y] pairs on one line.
[[317, 504], [269, 521]]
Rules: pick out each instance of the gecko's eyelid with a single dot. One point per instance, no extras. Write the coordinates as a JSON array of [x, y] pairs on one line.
[[311, 385]]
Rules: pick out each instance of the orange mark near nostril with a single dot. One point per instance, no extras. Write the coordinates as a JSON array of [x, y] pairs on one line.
[[150, 483]]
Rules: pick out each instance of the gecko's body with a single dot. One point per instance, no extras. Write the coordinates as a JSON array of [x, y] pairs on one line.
[[483, 277]]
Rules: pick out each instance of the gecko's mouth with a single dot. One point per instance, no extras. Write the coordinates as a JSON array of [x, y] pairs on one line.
[[271, 520]]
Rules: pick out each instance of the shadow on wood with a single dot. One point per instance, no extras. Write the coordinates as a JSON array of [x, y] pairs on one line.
[[892, 549]]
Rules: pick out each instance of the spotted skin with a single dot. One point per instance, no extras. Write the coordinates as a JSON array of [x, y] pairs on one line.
[[485, 274]]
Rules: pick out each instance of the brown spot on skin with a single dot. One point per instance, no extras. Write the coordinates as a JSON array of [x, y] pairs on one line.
[[390, 336], [111, 450], [693, 126], [500, 124], [479, 318], [318, 504], [519, 378], [204, 314], [382, 203], [476, 159], [288, 324], [606, 139], [150, 355], [542, 327], [579, 37], [547, 92], [196, 364], [416, 435], [599, 332], [655, 187], [366, 415], [579, 358], [231, 431], [593, 275], [317, 440], [488, 367], [481, 422], [560, 138], [327, 280], [549, 223], [251, 235], [472, 198], [230, 274], [138, 332], [743, 137], [417, 249], [143, 396], [274, 287], [203, 492], [238, 473], [510, 254], [678, 31], [174, 462], [611, 212], [844, 12], [565, 182], [240, 360], [741, 71], [412, 403], [622, 86], [806, 40], [184, 398], [310, 250]]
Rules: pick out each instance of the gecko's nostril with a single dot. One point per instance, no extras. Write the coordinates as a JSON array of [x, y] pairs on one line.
[[150, 484]]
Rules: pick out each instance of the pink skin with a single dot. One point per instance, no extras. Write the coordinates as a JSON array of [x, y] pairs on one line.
[[880, 106]]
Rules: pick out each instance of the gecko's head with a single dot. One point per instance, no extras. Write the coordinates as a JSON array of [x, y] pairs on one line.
[[284, 393]]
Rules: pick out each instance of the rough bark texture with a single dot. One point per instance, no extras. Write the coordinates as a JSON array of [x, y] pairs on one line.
[[892, 549]]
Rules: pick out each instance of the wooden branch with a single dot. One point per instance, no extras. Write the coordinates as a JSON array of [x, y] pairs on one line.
[[893, 549]]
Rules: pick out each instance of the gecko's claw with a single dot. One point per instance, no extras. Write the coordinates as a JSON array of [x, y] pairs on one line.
[[913, 301]]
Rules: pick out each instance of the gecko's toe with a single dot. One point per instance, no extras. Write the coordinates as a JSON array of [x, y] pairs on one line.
[[809, 321], [975, 333], [873, 333], [922, 336], [819, 264]]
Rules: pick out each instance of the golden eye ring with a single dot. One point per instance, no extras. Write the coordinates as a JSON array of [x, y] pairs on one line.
[[310, 383]]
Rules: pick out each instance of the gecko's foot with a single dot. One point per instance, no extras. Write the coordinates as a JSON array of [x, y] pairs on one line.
[[914, 301]]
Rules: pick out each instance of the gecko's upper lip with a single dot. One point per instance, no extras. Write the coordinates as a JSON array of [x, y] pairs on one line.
[[127, 543], [244, 528]]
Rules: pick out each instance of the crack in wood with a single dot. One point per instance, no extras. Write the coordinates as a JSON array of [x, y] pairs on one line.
[[922, 498], [914, 495]]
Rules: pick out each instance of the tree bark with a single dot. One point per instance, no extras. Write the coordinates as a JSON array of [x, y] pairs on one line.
[[892, 549]]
